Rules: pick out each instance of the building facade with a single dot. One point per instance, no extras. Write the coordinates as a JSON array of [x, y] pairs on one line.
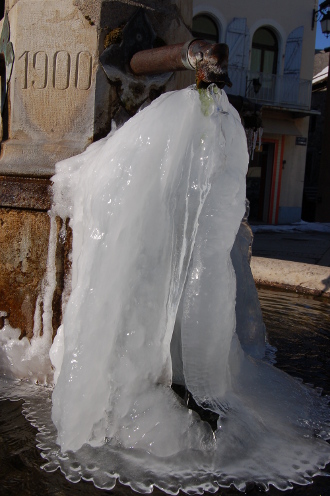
[[271, 57]]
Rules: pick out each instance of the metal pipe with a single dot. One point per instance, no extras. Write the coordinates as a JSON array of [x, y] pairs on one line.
[[158, 60], [210, 61]]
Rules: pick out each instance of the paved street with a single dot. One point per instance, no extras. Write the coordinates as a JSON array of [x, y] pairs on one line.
[[294, 246]]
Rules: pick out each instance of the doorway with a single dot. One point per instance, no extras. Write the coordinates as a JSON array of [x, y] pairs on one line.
[[259, 182]]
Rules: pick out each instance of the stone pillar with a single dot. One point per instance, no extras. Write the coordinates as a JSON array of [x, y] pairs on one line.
[[59, 96], [58, 101], [52, 86]]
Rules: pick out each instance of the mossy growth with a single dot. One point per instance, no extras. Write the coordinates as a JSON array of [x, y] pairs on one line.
[[206, 99], [114, 37]]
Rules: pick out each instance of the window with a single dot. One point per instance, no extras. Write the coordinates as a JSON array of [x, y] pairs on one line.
[[264, 51], [204, 27]]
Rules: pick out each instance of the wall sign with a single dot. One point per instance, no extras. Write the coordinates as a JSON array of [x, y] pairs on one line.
[[300, 140]]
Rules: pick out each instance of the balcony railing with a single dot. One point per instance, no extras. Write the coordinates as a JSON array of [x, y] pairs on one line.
[[283, 91]]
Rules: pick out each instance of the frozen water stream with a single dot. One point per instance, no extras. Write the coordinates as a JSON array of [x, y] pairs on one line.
[[159, 257]]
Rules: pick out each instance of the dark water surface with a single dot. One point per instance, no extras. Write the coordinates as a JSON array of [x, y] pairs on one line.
[[298, 326]]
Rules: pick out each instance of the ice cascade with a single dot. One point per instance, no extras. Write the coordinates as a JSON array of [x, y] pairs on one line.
[[162, 292]]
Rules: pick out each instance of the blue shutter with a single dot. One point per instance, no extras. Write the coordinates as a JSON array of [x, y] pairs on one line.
[[292, 63], [293, 51], [238, 40]]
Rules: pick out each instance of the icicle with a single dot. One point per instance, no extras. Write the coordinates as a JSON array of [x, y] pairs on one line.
[[253, 136]]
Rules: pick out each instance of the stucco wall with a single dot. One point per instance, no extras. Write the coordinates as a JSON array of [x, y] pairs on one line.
[[283, 16]]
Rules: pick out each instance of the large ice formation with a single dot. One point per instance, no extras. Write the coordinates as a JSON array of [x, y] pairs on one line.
[[162, 292]]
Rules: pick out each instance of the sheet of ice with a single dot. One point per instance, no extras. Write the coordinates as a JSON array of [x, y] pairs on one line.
[[160, 275], [142, 227]]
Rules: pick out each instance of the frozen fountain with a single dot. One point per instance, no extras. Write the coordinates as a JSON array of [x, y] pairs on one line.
[[161, 293]]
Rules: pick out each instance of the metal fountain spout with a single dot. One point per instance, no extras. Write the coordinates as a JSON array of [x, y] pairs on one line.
[[209, 60], [139, 65]]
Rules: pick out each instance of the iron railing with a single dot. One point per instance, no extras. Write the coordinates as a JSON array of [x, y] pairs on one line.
[[280, 90]]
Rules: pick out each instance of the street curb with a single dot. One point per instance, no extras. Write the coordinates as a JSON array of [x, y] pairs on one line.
[[292, 276]]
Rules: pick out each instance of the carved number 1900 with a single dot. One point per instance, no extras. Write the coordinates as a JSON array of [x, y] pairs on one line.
[[58, 71]]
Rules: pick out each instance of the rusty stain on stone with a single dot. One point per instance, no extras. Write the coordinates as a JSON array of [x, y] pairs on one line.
[[27, 193], [23, 262], [23, 259]]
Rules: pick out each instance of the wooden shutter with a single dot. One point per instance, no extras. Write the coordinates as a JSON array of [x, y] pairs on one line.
[[293, 51], [237, 38], [292, 63]]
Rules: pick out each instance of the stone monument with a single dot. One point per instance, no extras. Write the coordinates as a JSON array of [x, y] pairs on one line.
[[56, 101]]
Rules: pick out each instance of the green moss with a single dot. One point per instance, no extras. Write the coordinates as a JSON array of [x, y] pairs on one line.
[[115, 36], [206, 99]]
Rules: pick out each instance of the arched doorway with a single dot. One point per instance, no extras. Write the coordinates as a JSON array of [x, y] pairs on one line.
[[203, 26], [264, 51], [263, 66]]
